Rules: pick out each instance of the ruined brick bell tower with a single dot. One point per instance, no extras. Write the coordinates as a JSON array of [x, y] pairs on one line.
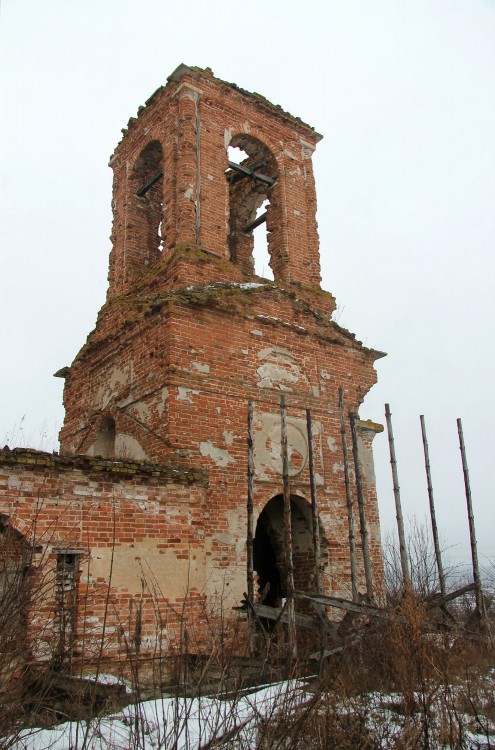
[[189, 335]]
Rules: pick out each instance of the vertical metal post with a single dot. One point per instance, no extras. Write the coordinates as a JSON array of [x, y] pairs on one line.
[[362, 512], [250, 507], [314, 504], [350, 507], [436, 543], [291, 613], [404, 560], [472, 531]]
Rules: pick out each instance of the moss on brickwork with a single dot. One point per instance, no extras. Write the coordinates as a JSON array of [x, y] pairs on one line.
[[93, 465]]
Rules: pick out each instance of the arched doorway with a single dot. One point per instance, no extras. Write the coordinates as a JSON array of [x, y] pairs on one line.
[[269, 550]]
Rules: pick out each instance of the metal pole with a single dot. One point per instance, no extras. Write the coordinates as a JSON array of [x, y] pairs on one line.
[[404, 561], [291, 613], [472, 531], [314, 504], [438, 554], [362, 514], [350, 507]]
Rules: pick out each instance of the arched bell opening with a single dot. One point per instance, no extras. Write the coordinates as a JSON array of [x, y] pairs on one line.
[[269, 559], [254, 208], [145, 234]]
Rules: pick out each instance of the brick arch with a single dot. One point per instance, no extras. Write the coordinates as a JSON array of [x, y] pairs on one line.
[[246, 195], [269, 559], [22, 530]]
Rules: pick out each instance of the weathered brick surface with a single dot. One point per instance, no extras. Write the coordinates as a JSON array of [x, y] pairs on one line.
[[187, 337]]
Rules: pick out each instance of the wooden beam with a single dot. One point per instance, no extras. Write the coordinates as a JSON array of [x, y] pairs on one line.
[[289, 566], [314, 503], [147, 185], [251, 173], [434, 528], [350, 507], [250, 519], [362, 511], [256, 223], [472, 532], [404, 560]]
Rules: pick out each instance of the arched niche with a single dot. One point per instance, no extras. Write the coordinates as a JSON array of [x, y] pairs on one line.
[[104, 445]]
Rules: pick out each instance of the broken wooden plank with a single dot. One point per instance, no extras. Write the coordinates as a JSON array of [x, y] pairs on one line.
[[334, 601], [276, 613], [438, 599]]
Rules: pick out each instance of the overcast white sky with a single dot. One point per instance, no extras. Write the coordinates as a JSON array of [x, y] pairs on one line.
[[404, 93]]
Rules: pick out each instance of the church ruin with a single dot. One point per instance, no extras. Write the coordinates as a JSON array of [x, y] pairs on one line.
[[141, 520]]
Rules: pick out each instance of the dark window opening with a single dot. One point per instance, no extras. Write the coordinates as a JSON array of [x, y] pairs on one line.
[[66, 604], [269, 551]]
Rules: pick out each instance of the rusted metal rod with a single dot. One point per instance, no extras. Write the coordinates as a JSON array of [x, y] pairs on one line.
[[291, 613], [472, 532], [362, 511], [350, 507], [436, 543], [314, 503], [404, 560]]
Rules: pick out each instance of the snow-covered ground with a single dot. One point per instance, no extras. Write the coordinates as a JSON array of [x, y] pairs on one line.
[[244, 722]]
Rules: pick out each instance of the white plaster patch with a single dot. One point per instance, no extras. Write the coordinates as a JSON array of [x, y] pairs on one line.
[[332, 444], [210, 177], [229, 438], [337, 467], [112, 383], [227, 137], [127, 447], [188, 194], [161, 403], [256, 333], [185, 394], [279, 369], [142, 412], [315, 391], [267, 445], [325, 374], [275, 376], [289, 154], [200, 367], [218, 456], [296, 212]]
